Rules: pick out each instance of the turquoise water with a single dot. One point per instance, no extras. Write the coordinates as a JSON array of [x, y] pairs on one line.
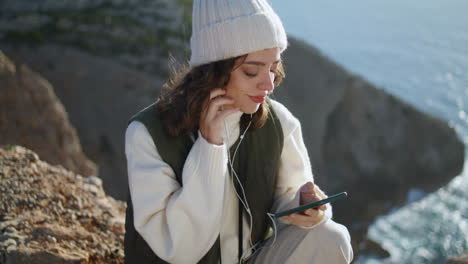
[[426, 231], [418, 51]]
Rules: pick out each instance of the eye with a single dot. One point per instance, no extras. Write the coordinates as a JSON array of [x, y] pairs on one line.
[[250, 74]]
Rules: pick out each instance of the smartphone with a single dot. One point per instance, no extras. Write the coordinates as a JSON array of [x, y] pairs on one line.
[[311, 205]]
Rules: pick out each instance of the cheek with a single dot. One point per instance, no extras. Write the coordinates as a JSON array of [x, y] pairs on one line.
[[236, 87]]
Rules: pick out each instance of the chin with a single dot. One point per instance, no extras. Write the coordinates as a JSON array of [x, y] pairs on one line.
[[250, 109]]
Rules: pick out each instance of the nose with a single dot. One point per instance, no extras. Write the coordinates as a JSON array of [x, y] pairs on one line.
[[267, 83]]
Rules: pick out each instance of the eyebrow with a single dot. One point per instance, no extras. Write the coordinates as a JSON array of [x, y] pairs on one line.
[[259, 62]]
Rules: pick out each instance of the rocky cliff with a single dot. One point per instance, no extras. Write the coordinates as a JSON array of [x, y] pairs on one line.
[[136, 33], [106, 60], [360, 138], [100, 95], [49, 215], [363, 140], [31, 115]]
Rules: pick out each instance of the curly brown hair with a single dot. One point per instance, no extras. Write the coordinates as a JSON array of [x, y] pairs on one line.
[[184, 95]]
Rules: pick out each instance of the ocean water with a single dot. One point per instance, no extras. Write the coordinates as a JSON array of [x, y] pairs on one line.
[[418, 51]]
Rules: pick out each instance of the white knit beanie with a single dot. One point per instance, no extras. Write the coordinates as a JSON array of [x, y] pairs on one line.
[[223, 29]]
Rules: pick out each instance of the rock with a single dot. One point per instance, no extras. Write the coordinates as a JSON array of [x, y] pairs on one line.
[[98, 93], [461, 259], [369, 247], [9, 242], [31, 115], [42, 257], [360, 139], [10, 230], [363, 140], [378, 148], [50, 217], [140, 34]]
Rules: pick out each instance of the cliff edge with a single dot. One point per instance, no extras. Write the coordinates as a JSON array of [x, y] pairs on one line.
[[49, 215]]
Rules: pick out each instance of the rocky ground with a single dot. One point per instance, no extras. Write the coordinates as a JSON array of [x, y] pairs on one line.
[[51, 215]]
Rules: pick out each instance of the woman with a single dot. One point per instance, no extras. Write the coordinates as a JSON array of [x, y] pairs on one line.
[[214, 156]]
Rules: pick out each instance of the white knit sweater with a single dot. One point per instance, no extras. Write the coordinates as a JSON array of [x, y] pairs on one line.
[[181, 224]]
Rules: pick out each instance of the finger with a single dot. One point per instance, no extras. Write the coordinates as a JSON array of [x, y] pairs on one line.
[[307, 220], [223, 114], [217, 92], [214, 93], [302, 220], [304, 217], [215, 106], [322, 207], [310, 186], [311, 212], [320, 193], [308, 197], [311, 196]]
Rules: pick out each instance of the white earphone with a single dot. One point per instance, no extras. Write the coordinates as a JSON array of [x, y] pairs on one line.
[[243, 199]]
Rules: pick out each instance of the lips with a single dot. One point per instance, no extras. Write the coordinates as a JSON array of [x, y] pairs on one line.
[[257, 99]]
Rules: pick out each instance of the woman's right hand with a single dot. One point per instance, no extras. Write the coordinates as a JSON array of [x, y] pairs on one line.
[[310, 217], [213, 115]]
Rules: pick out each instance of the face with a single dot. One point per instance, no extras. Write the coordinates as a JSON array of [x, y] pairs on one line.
[[252, 79]]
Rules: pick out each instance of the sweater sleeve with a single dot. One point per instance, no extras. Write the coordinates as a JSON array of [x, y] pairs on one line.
[[294, 167], [180, 224]]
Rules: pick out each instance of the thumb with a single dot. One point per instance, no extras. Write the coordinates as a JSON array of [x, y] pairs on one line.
[[308, 187]]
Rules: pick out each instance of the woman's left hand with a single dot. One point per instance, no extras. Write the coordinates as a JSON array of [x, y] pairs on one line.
[[309, 217]]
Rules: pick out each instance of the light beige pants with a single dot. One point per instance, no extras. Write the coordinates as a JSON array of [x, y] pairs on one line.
[[329, 243]]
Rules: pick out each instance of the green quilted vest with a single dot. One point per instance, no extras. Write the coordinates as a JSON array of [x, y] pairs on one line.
[[256, 164]]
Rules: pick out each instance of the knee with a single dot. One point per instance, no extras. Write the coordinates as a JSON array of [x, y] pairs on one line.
[[334, 238]]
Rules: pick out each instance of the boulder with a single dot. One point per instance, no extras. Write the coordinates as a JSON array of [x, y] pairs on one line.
[[461, 259], [50, 215], [33, 116], [363, 140]]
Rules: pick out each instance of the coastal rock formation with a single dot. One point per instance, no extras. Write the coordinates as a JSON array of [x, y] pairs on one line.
[[31, 115], [461, 259], [49, 215], [377, 146], [139, 34], [100, 96], [360, 138], [363, 140], [106, 60]]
